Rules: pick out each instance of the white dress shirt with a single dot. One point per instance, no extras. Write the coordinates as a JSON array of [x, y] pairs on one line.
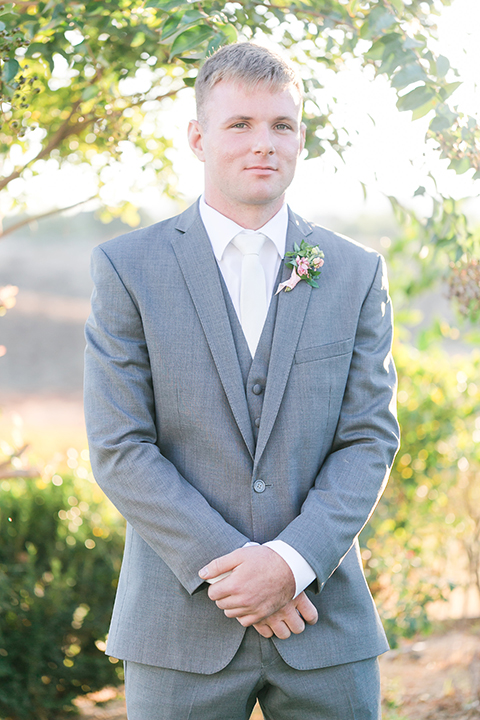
[[221, 230]]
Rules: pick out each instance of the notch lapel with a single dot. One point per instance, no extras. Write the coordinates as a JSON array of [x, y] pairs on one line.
[[291, 310], [199, 267]]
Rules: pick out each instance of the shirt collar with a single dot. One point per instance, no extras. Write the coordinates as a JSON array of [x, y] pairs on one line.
[[221, 230]]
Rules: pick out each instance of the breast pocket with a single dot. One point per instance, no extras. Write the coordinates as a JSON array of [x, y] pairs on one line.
[[322, 352]]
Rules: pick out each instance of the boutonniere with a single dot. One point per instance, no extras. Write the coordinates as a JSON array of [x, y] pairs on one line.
[[306, 262]]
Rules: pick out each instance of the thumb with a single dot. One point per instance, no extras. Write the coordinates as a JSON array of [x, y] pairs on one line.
[[306, 609], [219, 566]]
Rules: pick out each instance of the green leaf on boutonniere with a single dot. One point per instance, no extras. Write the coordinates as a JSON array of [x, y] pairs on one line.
[[305, 262]]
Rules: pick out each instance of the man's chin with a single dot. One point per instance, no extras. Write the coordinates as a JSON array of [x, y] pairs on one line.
[[262, 199]]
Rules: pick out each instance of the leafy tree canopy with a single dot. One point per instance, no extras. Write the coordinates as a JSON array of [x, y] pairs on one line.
[[68, 96]]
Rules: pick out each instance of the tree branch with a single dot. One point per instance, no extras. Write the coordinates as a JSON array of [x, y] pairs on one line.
[[62, 132], [21, 6], [292, 10], [25, 473], [22, 3], [15, 454], [40, 216], [8, 472]]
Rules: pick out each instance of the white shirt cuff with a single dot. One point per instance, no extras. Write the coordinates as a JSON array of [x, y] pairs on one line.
[[302, 571]]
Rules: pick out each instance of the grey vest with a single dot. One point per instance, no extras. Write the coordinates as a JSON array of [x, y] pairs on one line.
[[254, 371]]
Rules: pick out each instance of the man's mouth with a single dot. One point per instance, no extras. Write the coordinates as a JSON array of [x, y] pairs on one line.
[[262, 168]]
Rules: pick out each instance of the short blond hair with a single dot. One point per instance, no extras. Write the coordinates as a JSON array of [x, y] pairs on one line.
[[247, 64]]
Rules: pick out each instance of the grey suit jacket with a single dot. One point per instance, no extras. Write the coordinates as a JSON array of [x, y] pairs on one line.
[[172, 445]]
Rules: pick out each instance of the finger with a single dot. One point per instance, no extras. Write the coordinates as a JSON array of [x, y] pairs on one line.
[[247, 620], [231, 588], [218, 592], [307, 609], [294, 622], [231, 595], [250, 615], [229, 602], [264, 630], [219, 565], [234, 613], [219, 577], [280, 629]]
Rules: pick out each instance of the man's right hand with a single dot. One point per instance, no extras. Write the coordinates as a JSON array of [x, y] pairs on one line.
[[291, 618]]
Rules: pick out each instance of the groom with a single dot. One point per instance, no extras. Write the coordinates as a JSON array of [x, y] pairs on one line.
[[245, 433]]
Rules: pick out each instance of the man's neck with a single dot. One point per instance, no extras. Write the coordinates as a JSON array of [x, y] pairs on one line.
[[250, 217]]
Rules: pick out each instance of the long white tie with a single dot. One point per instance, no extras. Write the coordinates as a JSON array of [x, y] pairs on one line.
[[253, 290]]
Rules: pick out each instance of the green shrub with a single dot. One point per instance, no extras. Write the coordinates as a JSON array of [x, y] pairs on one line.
[[60, 553], [61, 544], [426, 529]]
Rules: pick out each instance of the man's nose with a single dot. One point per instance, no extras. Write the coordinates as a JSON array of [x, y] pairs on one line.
[[263, 143]]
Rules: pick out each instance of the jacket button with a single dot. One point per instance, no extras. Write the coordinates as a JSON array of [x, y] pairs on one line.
[[259, 486], [257, 422], [257, 389]]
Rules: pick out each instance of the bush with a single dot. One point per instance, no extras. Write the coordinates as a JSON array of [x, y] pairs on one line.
[[61, 544], [60, 553], [424, 537]]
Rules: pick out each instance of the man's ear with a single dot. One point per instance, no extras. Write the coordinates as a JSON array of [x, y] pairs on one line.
[[303, 131], [195, 139]]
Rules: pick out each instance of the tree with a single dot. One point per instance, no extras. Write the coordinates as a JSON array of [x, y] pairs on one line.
[[67, 100]]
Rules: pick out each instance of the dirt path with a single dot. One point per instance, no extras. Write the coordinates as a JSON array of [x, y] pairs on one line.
[[437, 678]]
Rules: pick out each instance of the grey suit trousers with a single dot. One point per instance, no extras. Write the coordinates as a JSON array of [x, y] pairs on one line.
[[350, 691]]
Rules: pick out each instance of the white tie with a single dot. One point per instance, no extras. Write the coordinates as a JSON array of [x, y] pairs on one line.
[[253, 290]]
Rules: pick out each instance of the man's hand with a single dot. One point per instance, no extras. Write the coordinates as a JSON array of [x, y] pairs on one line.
[[260, 584], [289, 619]]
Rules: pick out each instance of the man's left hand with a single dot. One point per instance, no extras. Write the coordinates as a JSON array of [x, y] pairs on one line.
[[260, 583], [289, 619]]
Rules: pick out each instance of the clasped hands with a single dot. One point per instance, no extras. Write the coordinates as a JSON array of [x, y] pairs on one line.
[[259, 591]]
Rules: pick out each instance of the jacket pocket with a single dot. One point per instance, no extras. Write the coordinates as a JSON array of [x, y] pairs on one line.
[[321, 352]]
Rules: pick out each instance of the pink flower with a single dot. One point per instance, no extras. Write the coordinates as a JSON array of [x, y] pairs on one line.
[[317, 262], [303, 266], [290, 283]]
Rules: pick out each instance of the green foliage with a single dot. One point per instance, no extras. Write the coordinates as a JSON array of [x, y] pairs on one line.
[[428, 251], [105, 42], [311, 257], [465, 286], [60, 550], [428, 522], [65, 68]]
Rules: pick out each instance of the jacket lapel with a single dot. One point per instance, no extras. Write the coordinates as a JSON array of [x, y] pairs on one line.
[[291, 310], [198, 265]]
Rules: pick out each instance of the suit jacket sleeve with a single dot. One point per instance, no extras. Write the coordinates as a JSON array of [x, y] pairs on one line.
[[163, 507], [356, 469]]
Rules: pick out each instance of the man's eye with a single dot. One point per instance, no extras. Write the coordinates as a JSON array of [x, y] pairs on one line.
[[240, 125], [283, 126]]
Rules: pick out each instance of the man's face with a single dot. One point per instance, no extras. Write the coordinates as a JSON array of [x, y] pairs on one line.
[[249, 141]]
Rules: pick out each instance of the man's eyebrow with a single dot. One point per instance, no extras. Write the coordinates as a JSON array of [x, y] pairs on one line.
[[236, 118], [286, 118], [281, 118]]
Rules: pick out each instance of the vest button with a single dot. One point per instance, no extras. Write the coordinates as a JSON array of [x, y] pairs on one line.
[[257, 389], [259, 486], [257, 422]]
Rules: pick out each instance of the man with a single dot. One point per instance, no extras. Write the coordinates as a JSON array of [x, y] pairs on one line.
[[245, 434]]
